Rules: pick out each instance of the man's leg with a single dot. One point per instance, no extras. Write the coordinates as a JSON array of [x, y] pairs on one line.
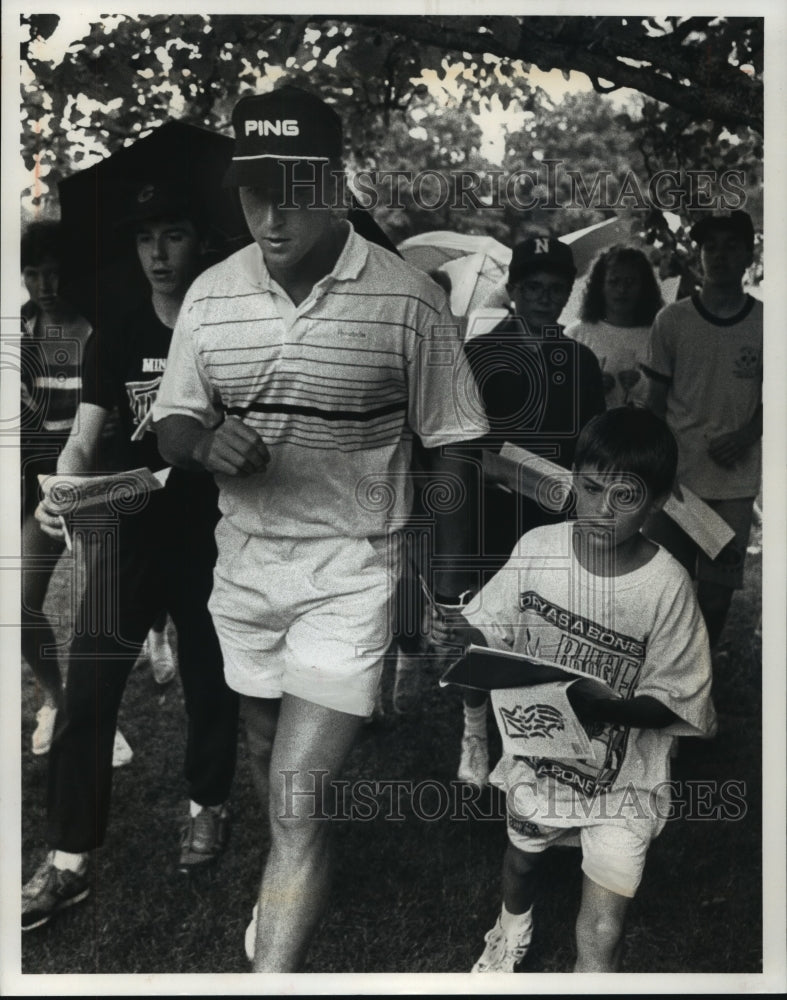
[[188, 558], [719, 578], [114, 617], [600, 924], [260, 716], [309, 750]]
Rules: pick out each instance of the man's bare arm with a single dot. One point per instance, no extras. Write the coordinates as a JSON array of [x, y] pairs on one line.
[[231, 449]]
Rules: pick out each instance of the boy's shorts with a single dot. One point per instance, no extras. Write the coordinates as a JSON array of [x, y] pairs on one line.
[[727, 568], [613, 856], [307, 617]]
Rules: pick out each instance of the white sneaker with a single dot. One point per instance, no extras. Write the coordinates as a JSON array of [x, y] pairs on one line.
[[121, 752], [500, 954], [474, 762], [251, 935], [163, 661], [42, 735]]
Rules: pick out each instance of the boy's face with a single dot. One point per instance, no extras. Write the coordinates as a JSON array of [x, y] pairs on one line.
[[725, 257], [540, 297], [611, 507], [286, 235], [41, 281], [169, 252]]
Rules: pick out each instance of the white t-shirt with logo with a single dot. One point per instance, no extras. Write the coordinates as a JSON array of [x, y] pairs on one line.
[[642, 633], [714, 370], [618, 349]]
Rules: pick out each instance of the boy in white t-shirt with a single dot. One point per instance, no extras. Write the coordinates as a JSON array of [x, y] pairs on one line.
[[595, 594]]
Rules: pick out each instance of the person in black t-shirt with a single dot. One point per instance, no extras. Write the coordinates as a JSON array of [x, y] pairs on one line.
[[156, 555], [539, 389]]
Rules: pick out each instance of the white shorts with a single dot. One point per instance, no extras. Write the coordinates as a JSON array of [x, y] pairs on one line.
[[613, 856], [308, 617]]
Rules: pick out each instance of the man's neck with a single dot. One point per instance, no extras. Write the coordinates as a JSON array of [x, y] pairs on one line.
[[167, 307], [722, 301], [299, 280]]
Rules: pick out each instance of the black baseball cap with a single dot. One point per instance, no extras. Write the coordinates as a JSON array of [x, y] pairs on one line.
[[541, 252], [286, 124], [736, 222], [162, 198]]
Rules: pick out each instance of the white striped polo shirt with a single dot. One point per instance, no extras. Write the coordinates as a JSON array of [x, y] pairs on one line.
[[335, 387]]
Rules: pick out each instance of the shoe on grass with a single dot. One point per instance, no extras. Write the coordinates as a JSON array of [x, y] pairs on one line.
[[44, 731], [407, 683], [163, 660], [502, 954], [474, 761], [251, 935], [51, 890], [122, 753], [204, 837]]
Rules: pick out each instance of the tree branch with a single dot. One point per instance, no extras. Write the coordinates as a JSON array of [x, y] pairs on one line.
[[682, 76]]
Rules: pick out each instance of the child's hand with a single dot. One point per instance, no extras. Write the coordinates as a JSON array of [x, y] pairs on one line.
[[49, 520], [726, 449], [450, 630], [629, 378], [587, 697]]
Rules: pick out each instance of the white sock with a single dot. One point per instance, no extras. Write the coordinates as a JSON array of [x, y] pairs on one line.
[[516, 925], [195, 808], [475, 721], [66, 861]]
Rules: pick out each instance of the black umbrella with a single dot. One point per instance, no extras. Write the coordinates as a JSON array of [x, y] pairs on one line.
[[100, 271], [100, 274]]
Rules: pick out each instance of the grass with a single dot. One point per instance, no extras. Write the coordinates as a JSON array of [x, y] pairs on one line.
[[410, 895]]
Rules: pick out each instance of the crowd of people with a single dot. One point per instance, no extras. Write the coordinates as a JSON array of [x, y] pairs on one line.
[[286, 384]]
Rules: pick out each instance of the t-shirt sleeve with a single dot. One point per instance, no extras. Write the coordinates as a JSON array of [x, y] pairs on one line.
[[660, 360], [185, 388], [444, 405], [677, 669], [493, 610]]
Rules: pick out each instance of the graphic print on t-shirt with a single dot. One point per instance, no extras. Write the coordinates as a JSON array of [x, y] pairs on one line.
[[141, 396], [598, 651], [748, 363]]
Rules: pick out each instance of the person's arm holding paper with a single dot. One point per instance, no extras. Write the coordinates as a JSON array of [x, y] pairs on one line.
[[591, 704], [77, 456]]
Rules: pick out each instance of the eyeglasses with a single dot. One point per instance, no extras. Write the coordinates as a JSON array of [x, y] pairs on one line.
[[556, 291]]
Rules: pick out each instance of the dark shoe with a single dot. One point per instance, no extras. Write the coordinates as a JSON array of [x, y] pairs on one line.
[[407, 684], [204, 838], [51, 890]]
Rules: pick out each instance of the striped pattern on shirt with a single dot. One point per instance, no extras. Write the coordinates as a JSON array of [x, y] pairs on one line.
[[335, 387]]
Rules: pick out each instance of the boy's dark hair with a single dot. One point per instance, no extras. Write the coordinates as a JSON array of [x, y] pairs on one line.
[[593, 306], [41, 240], [630, 439]]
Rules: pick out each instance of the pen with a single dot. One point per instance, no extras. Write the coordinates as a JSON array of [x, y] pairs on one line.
[[143, 426], [66, 534]]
